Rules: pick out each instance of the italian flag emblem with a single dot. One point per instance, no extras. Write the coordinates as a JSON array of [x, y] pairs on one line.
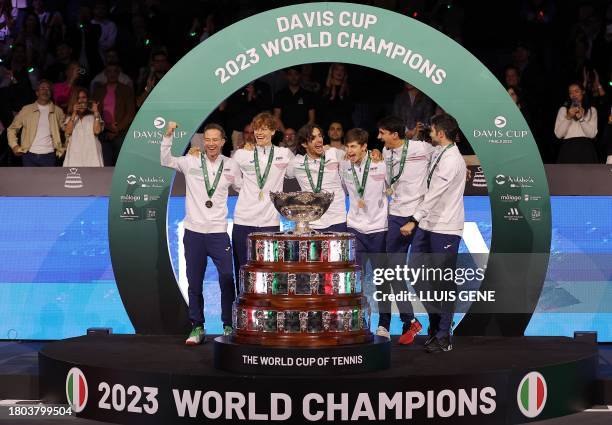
[[76, 389], [531, 394]]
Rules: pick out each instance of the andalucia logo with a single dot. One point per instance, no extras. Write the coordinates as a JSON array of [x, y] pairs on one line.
[[531, 394], [76, 389]]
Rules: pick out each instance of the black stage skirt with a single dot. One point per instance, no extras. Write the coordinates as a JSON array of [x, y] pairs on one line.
[[577, 150]]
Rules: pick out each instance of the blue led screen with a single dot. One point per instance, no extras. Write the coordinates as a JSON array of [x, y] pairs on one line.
[[56, 278]]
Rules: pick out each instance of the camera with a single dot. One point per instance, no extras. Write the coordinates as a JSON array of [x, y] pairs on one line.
[[423, 134], [85, 105]]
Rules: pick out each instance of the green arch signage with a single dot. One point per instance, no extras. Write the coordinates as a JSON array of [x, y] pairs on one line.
[[330, 32]]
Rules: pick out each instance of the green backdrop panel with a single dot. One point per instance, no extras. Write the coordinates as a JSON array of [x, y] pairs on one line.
[[328, 32]]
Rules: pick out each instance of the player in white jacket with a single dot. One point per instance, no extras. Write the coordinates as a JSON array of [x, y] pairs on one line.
[[438, 221], [208, 176], [406, 170], [263, 171], [316, 169], [364, 179]]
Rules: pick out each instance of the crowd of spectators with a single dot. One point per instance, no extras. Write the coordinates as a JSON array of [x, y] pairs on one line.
[[87, 66]]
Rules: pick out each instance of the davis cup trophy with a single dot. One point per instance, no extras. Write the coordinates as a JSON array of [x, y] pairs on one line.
[[301, 310], [301, 288]]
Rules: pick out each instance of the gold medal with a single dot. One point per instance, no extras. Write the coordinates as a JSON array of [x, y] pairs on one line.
[[389, 191], [361, 203], [261, 195]]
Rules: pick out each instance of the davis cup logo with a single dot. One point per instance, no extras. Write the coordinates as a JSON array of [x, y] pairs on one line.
[[531, 395], [76, 389], [159, 122], [500, 121]]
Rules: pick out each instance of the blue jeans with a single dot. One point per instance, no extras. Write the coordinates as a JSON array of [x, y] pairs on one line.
[[38, 160]]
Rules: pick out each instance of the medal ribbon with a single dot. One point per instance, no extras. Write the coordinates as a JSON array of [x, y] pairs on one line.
[[436, 164], [393, 179], [316, 189], [364, 179], [210, 190], [261, 180]]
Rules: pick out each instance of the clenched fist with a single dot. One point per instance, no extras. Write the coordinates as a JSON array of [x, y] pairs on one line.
[[170, 128]]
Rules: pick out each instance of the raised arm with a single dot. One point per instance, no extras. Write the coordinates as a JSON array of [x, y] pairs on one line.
[[166, 158]]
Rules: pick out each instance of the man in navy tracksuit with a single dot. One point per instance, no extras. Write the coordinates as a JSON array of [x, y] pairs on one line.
[[364, 180], [208, 176], [438, 221], [406, 162]]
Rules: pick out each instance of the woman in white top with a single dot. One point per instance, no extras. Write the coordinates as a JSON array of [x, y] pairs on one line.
[[576, 126], [82, 129]]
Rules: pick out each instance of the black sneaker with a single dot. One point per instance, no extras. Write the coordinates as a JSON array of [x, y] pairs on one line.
[[439, 345], [431, 336]]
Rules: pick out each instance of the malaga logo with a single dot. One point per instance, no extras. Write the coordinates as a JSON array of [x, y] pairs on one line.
[[531, 394], [76, 389]]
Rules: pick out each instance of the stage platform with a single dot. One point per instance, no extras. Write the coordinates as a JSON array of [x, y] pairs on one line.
[[156, 379]]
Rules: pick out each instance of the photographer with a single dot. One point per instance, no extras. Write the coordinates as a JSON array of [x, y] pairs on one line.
[[415, 108], [82, 129], [576, 126]]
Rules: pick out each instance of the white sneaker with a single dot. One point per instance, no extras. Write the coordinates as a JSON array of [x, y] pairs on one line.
[[382, 331]]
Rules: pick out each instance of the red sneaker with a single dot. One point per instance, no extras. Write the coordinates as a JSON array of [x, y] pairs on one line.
[[409, 334]]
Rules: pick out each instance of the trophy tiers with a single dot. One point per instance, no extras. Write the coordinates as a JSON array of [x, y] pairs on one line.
[[301, 288]]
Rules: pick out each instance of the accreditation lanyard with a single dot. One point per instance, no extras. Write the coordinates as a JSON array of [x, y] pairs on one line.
[[364, 179], [261, 180], [436, 163], [316, 189], [210, 190]]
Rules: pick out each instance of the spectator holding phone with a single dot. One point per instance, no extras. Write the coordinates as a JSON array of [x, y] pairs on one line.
[[63, 91], [576, 127], [160, 65], [117, 107], [82, 128]]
